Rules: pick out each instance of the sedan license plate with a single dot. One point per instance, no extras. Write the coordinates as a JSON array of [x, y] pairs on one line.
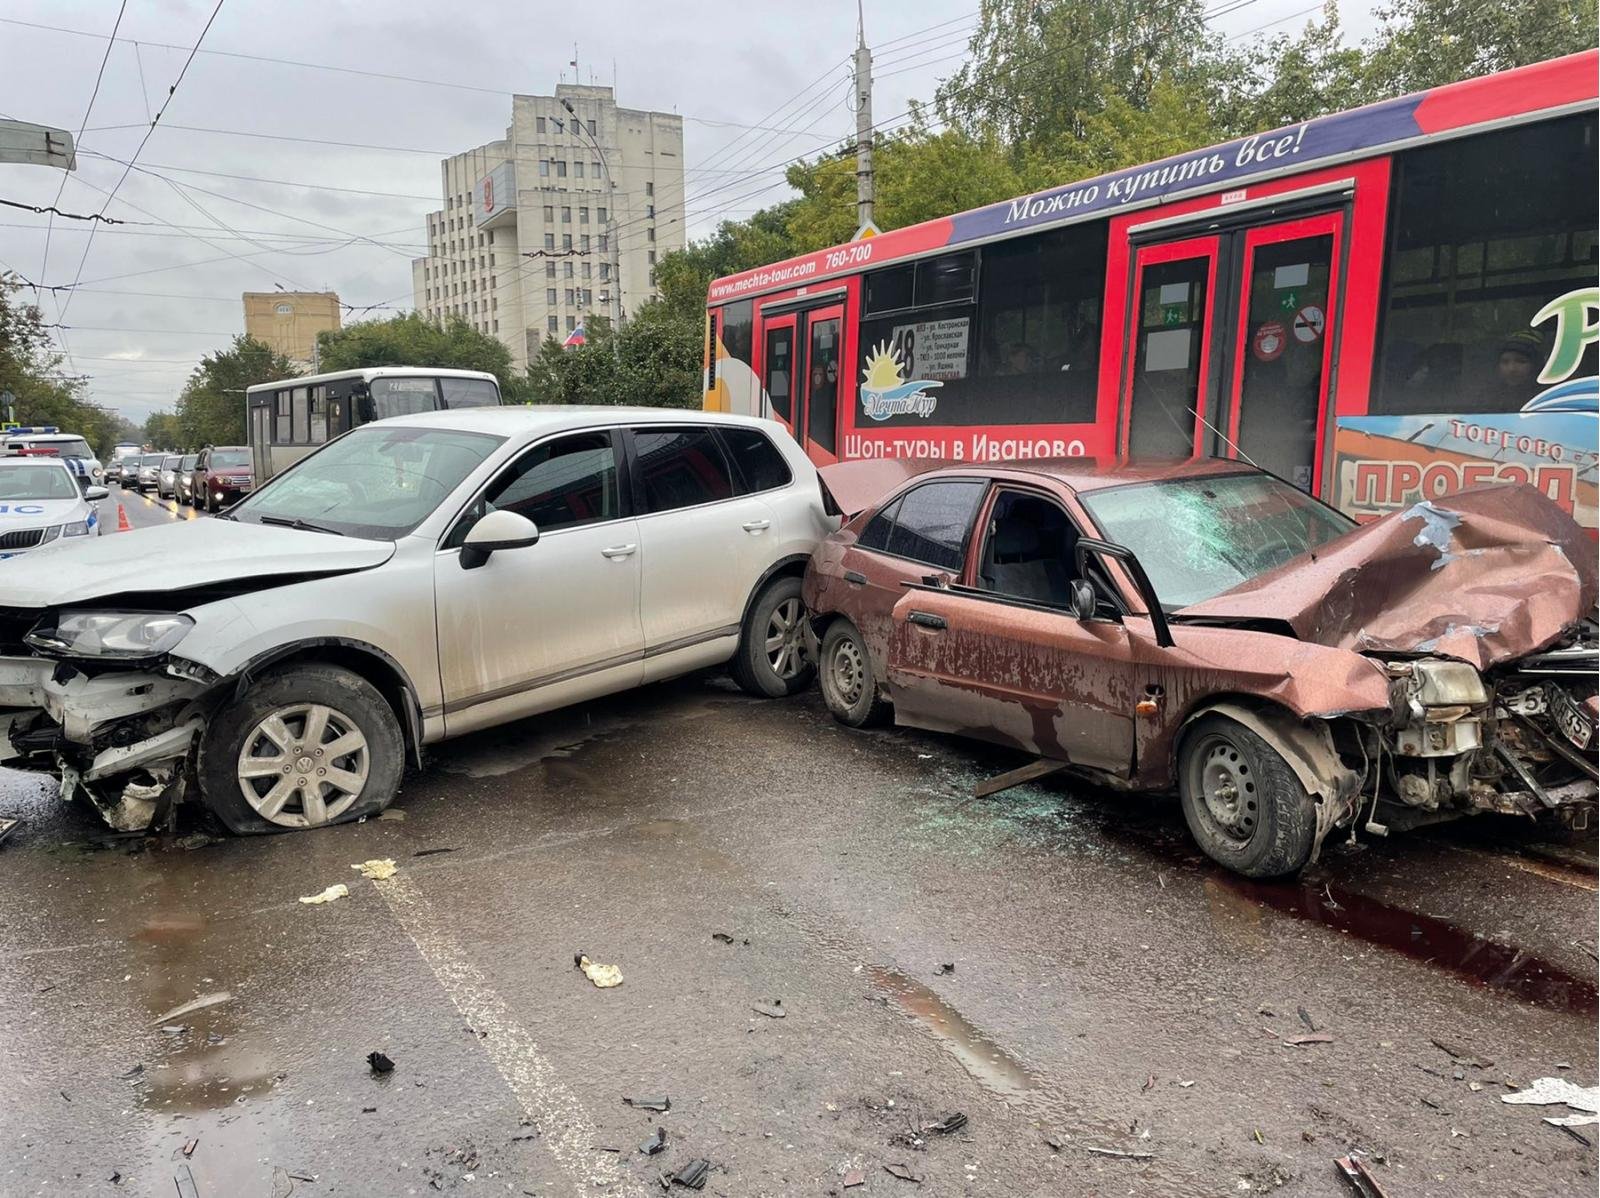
[[1568, 716]]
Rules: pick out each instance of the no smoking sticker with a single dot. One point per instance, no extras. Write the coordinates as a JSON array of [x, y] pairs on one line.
[[1269, 341], [1308, 323]]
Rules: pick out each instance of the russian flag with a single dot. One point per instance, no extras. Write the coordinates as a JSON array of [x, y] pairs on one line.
[[574, 338]]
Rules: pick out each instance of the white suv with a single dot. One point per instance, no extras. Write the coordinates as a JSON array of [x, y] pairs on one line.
[[415, 579]]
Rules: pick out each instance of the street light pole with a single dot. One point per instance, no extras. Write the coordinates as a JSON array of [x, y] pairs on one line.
[[611, 227]]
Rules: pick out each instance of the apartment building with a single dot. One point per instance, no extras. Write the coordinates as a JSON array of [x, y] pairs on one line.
[[566, 216]]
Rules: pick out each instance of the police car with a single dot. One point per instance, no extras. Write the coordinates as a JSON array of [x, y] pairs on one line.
[[41, 504], [49, 441]]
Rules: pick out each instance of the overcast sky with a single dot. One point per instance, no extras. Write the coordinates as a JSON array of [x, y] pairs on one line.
[[156, 295]]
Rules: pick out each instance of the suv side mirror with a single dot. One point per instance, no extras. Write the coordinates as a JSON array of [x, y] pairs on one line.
[[496, 531], [1080, 599]]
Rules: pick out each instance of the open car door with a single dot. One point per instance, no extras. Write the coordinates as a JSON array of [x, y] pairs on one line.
[[1014, 672]]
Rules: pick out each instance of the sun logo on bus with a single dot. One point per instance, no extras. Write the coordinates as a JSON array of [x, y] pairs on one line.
[[885, 391]]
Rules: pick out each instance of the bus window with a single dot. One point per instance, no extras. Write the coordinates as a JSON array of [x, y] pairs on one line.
[[300, 405], [402, 397], [319, 414], [283, 434], [947, 279], [1477, 248], [469, 393], [1039, 324], [889, 289]]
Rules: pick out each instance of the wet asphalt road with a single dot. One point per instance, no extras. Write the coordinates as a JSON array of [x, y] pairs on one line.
[[143, 510], [1109, 989]]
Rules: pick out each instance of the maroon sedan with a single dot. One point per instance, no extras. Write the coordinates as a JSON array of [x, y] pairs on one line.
[[1206, 627], [223, 475]]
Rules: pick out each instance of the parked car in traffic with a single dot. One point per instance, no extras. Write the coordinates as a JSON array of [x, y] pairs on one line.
[[125, 472], [50, 441], [150, 471], [167, 476], [42, 504], [414, 579], [222, 476], [1206, 627], [183, 481]]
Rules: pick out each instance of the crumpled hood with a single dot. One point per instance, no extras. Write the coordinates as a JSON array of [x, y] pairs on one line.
[[175, 557], [859, 484], [1486, 575]]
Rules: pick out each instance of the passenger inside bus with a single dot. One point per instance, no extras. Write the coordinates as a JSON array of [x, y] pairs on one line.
[[1516, 374]]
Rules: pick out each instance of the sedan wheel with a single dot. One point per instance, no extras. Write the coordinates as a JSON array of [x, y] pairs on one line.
[[1244, 804], [848, 686], [303, 765], [847, 671]]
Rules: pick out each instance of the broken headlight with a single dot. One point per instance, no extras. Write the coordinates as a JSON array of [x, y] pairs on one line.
[[110, 634]]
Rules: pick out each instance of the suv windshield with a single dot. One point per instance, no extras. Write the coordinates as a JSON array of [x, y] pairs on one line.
[[225, 459], [36, 482], [377, 482], [1198, 537]]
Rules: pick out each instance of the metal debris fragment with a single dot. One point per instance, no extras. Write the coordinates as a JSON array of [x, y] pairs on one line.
[[197, 1004], [655, 1143], [1354, 1170], [692, 1175]]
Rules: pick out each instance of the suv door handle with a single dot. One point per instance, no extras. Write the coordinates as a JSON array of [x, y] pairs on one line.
[[926, 620], [617, 551], [756, 525]]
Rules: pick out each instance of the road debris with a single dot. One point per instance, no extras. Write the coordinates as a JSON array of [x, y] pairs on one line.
[[379, 1063], [175, 1029], [724, 938], [392, 814], [377, 869], [1305, 1018], [663, 1103], [603, 976], [772, 1010], [903, 1172], [1312, 1038], [213, 999], [1354, 1170], [433, 852], [184, 1180], [337, 891], [855, 1177], [655, 1143], [692, 1175], [136, 1071], [950, 1123], [1148, 1084], [1554, 1091], [945, 968], [1120, 1154], [1466, 1058], [190, 1146]]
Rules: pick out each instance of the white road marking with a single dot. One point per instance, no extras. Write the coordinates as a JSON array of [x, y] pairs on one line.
[[564, 1126]]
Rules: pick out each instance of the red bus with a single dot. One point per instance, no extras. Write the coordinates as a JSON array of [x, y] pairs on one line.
[[1380, 305]]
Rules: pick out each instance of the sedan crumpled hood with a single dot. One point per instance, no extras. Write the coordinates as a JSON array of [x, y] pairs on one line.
[[177, 557], [1486, 575], [859, 484]]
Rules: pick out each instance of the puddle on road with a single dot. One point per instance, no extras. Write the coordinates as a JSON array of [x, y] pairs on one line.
[[989, 1064], [1497, 967]]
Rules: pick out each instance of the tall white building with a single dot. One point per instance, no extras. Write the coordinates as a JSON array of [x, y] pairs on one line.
[[536, 228]]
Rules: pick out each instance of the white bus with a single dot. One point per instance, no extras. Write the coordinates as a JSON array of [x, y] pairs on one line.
[[289, 418]]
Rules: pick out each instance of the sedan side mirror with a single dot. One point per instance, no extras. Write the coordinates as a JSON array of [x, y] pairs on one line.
[[94, 493], [1080, 599], [496, 531]]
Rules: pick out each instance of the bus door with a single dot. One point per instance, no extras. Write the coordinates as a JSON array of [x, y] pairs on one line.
[[1231, 345], [1168, 385], [1278, 407], [803, 374]]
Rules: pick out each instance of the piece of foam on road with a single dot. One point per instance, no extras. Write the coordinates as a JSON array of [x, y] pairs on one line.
[[1547, 1091], [378, 868], [603, 976], [337, 891]]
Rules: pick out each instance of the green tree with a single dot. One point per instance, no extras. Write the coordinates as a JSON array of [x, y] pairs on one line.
[[918, 175], [211, 407], [655, 360], [1423, 43], [1043, 68], [162, 431], [683, 275], [32, 370], [413, 340]]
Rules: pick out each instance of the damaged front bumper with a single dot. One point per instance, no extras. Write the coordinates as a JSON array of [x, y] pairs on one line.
[[122, 738]]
